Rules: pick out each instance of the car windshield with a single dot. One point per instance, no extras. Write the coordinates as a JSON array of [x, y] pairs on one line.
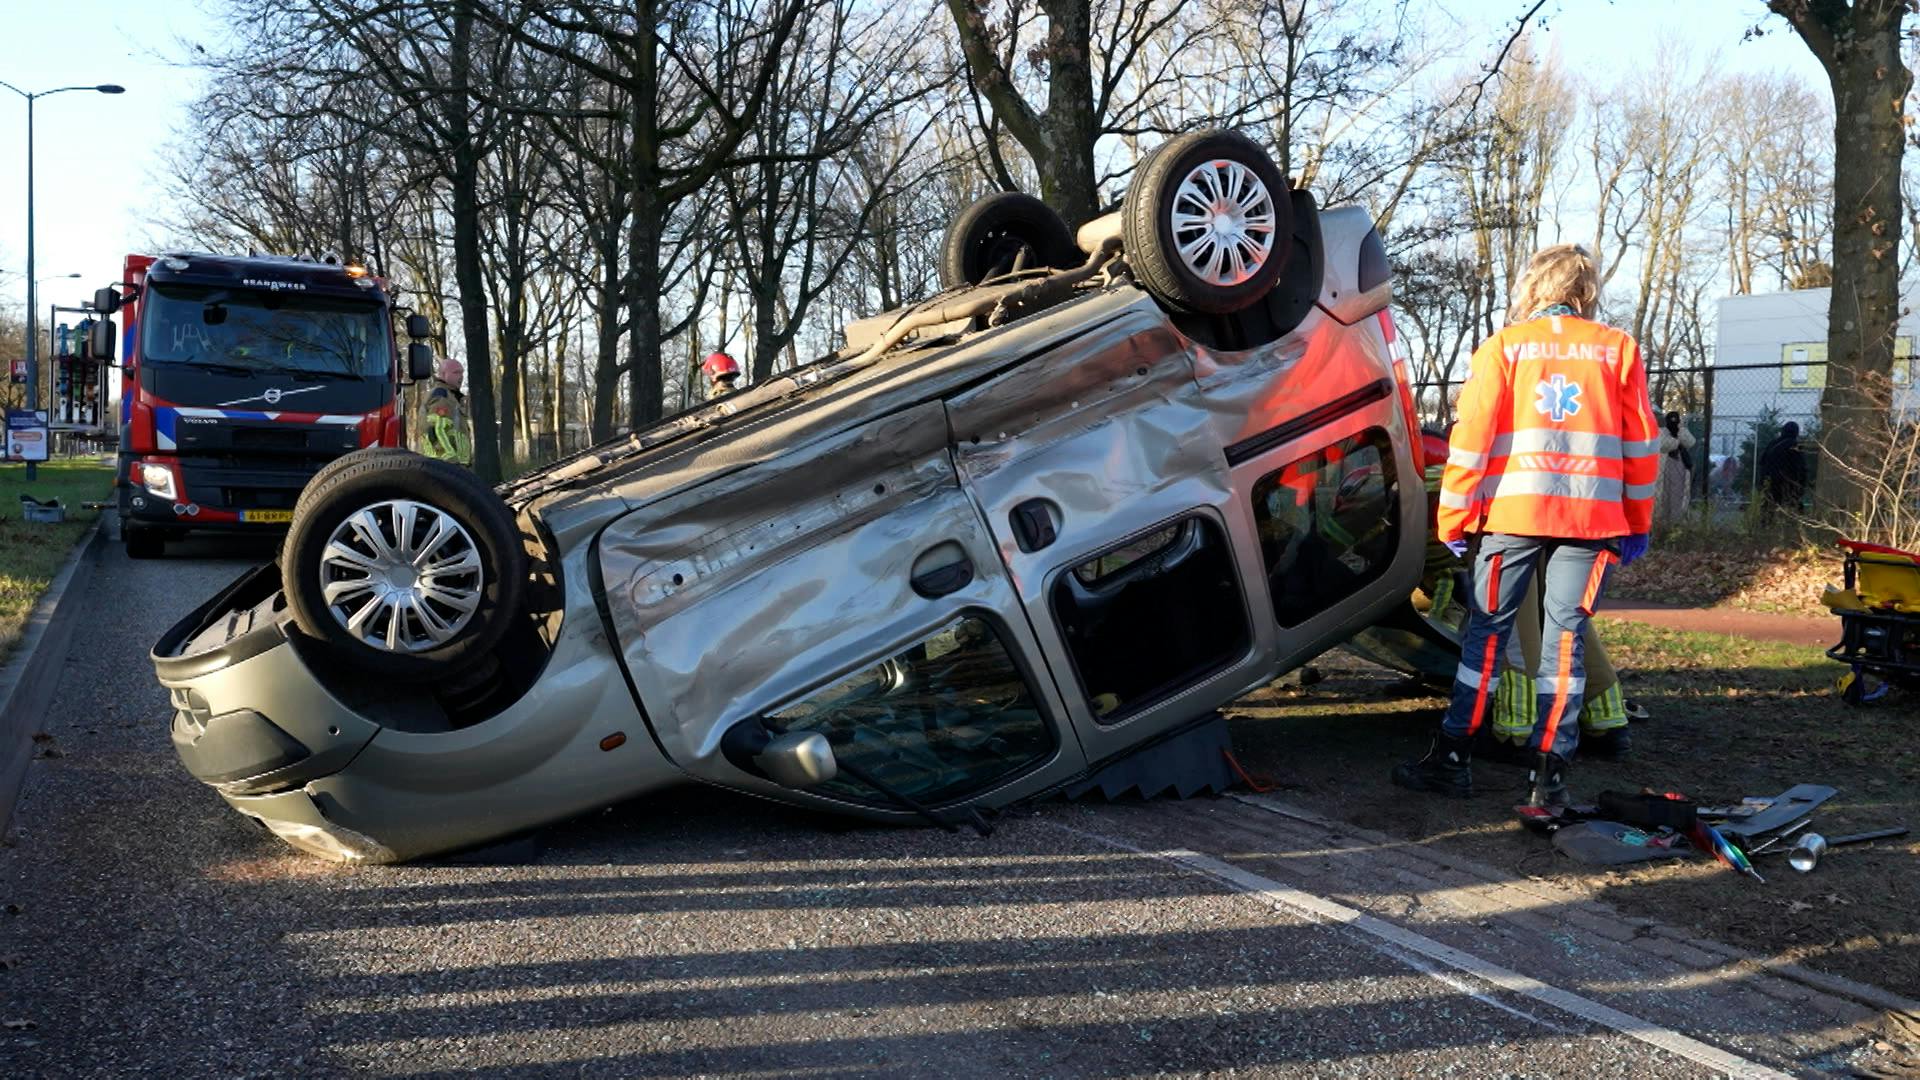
[[229, 328]]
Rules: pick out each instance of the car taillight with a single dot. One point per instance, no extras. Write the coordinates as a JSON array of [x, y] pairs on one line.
[[1398, 351]]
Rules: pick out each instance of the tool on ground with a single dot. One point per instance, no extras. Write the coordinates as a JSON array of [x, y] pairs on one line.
[[1708, 839], [1548, 820], [1790, 805], [1806, 854], [1779, 836], [1649, 809], [1611, 843]]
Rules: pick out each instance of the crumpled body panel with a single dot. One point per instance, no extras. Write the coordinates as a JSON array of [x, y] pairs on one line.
[[734, 598]]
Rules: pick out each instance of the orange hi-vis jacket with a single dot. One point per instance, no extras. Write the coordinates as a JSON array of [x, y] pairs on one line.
[[1556, 436]]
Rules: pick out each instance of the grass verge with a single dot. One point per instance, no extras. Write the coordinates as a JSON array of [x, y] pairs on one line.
[[31, 554], [1731, 718]]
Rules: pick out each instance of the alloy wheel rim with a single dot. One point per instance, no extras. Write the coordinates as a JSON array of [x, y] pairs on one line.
[[401, 576], [1223, 222]]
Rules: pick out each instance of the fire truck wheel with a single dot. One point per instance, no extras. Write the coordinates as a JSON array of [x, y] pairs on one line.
[[988, 236], [1207, 222], [403, 565]]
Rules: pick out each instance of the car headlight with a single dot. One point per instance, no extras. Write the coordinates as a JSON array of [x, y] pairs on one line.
[[158, 479]]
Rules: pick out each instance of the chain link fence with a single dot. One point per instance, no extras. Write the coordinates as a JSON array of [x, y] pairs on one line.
[[1737, 415]]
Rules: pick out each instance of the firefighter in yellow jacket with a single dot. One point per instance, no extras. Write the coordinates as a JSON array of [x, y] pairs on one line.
[[1551, 468]]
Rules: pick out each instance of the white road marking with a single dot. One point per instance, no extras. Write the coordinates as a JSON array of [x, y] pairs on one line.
[[1399, 940], [1426, 967]]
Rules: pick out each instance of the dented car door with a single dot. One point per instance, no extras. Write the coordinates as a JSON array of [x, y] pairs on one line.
[[848, 589]]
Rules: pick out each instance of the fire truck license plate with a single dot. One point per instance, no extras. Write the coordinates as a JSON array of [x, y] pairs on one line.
[[266, 515]]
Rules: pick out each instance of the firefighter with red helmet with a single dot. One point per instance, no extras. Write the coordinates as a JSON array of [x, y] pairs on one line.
[[722, 372]]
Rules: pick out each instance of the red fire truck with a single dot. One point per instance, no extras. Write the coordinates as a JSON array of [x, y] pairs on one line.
[[242, 377]]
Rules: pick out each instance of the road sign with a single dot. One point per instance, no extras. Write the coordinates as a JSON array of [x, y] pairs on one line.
[[27, 434]]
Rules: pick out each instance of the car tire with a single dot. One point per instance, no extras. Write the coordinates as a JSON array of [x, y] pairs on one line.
[[143, 542], [363, 528], [988, 236], [1217, 182]]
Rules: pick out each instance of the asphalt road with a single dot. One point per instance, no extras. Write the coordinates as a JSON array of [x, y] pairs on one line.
[[146, 929]]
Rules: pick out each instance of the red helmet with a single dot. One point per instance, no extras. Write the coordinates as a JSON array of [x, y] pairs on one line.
[[719, 365]]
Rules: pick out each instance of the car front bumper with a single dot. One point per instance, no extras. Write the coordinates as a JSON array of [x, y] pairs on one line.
[[350, 769]]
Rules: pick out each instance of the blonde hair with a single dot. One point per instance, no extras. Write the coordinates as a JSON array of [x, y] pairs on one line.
[[1561, 274]]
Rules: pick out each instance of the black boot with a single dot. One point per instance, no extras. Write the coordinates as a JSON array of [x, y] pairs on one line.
[[1447, 768], [1613, 744], [1547, 782]]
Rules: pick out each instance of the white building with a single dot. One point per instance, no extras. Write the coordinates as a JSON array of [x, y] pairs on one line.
[[1772, 354]]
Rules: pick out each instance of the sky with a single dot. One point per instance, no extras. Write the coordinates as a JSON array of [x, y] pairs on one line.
[[95, 192], [97, 157]]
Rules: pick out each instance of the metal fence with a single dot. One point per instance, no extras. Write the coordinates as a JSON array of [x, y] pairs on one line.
[[1734, 411]]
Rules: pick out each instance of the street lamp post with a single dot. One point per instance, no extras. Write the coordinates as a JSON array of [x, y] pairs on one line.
[[33, 296]]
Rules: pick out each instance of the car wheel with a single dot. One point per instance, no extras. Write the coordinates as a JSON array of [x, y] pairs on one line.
[[402, 564], [1208, 223], [989, 236], [143, 542]]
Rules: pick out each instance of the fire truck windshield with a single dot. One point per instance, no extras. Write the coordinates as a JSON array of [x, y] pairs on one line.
[[238, 328]]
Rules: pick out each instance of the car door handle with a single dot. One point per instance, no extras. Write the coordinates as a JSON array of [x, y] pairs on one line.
[[940, 581], [1033, 525]]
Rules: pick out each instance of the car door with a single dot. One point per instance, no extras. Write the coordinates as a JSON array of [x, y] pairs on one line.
[[1096, 467], [1138, 487], [846, 587], [1328, 501]]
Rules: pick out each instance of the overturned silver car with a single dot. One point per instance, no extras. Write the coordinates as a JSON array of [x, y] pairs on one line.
[[1095, 489]]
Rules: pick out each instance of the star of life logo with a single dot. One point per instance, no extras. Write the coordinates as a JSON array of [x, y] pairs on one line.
[[1558, 399]]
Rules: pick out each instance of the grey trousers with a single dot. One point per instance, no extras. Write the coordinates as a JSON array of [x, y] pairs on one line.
[[1573, 575]]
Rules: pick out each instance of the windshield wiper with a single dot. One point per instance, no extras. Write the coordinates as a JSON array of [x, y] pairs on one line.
[[216, 365], [907, 802]]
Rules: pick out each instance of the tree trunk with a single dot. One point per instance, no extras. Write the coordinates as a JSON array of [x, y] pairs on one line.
[[464, 184], [1858, 44], [1069, 125], [644, 390], [766, 346], [606, 351], [1869, 86], [1060, 140]]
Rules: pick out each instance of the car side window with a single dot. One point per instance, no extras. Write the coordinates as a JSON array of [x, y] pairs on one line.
[[940, 719], [1328, 524], [1152, 616]]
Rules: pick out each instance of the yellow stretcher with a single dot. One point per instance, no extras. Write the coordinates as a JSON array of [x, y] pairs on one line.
[[1879, 609]]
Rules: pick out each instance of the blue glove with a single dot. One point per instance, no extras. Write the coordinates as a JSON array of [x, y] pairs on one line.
[[1632, 547], [1459, 548]]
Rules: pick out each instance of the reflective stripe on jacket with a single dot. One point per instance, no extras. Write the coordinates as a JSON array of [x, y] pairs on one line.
[[1556, 436]]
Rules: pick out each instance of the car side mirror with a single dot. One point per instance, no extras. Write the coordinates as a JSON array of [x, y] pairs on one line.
[[419, 362], [798, 759], [106, 300], [418, 326], [795, 759], [100, 339]]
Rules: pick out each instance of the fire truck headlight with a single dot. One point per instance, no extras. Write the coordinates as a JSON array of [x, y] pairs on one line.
[[158, 479]]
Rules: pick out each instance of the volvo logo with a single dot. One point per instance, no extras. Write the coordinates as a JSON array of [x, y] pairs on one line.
[[271, 395]]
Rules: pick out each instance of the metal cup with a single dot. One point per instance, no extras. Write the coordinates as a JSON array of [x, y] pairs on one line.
[[1807, 851]]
